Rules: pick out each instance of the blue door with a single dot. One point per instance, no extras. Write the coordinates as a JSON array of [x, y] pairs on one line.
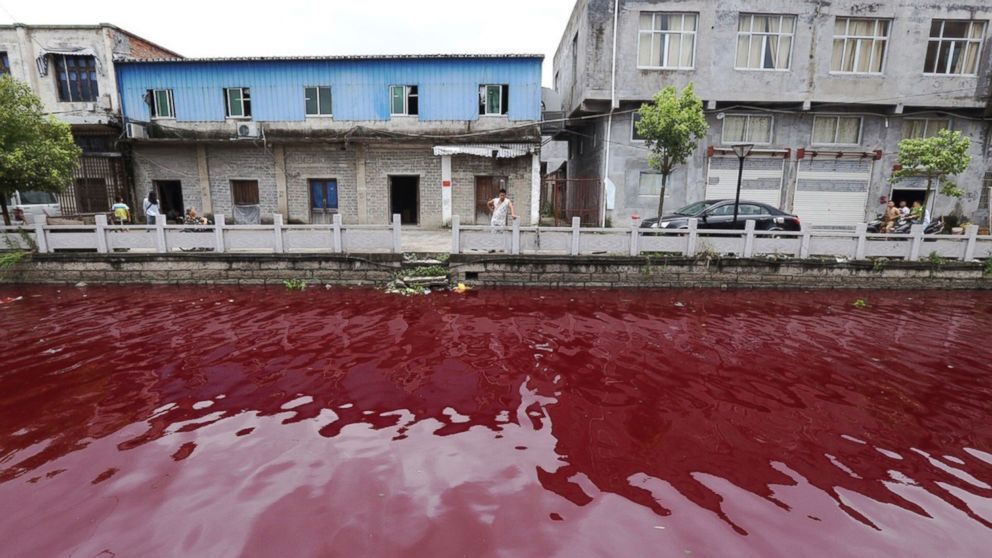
[[323, 199]]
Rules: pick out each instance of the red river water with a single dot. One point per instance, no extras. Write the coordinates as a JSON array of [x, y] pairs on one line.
[[166, 421]]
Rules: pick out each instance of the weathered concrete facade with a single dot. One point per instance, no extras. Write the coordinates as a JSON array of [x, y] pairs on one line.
[[805, 87], [362, 173]]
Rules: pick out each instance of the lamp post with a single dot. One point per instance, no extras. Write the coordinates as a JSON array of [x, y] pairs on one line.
[[742, 151]]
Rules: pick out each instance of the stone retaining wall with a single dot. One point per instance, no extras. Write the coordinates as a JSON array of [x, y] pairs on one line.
[[336, 269], [641, 271]]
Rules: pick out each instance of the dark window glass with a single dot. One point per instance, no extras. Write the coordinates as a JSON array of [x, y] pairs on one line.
[[323, 194], [93, 144], [635, 135], [4, 64], [76, 76], [244, 192], [413, 101]]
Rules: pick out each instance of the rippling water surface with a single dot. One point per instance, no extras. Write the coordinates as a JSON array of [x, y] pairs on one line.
[[260, 422]]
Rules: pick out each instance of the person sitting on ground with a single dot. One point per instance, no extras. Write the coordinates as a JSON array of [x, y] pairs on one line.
[[891, 216], [121, 212], [192, 219]]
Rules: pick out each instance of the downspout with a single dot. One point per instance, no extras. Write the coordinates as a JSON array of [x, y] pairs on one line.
[[609, 119]]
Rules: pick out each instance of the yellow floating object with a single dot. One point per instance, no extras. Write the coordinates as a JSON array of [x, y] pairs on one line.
[[461, 287]]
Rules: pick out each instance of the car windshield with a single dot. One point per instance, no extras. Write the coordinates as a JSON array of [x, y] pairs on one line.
[[37, 198], [694, 208]]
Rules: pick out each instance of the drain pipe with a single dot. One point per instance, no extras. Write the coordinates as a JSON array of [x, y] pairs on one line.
[[609, 119]]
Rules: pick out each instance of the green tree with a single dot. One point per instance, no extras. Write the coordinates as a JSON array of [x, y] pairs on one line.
[[36, 151], [936, 158], [672, 126]]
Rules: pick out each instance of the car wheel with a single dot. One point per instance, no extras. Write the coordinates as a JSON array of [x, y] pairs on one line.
[[774, 230]]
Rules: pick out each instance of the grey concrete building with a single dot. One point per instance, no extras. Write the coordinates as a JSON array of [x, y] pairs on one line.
[[825, 90], [72, 70]]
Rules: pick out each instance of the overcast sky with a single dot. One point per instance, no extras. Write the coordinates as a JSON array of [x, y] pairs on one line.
[[329, 27]]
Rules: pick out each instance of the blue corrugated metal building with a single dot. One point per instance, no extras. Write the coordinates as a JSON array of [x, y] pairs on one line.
[[426, 137]]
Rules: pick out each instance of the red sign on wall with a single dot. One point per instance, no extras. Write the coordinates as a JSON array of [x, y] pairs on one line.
[[446, 184]]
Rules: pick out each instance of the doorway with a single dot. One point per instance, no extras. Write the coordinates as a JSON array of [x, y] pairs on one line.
[[170, 199], [907, 195], [404, 198], [486, 189]]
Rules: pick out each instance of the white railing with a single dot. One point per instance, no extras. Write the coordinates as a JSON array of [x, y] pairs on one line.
[[856, 245], [160, 238]]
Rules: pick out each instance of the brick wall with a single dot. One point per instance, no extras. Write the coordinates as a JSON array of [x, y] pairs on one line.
[[166, 163], [241, 162], [383, 161], [326, 161], [135, 47], [464, 170]]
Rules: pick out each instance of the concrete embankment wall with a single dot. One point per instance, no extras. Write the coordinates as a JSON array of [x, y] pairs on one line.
[[336, 269], [642, 271], [498, 270]]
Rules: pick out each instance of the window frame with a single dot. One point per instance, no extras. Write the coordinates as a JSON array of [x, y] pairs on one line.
[[238, 181], [747, 123], [154, 104], [503, 99], [5, 64], [926, 126], [634, 117], [324, 182], [408, 92], [651, 32], [318, 114], [640, 181], [764, 39], [856, 40], [62, 70], [940, 40], [245, 114], [837, 117]]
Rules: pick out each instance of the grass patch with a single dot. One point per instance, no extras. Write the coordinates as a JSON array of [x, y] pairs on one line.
[[295, 284], [427, 271]]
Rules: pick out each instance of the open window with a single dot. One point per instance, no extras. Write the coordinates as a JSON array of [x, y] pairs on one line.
[[237, 102], [160, 103], [404, 100], [493, 99]]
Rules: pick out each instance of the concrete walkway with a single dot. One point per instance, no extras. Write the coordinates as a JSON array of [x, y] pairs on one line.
[[429, 241]]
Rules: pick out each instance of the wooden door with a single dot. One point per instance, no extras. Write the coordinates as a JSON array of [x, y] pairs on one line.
[[486, 188]]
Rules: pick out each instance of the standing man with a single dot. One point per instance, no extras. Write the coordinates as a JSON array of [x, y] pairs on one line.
[[499, 208]]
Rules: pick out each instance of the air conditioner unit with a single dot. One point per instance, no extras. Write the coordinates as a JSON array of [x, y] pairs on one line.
[[136, 131], [247, 129]]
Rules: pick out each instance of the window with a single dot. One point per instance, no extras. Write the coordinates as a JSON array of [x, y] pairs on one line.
[[160, 102], [493, 99], [650, 184], [924, 127], [324, 194], [836, 130], [954, 47], [859, 45], [237, 101], [747, 128], [93, 144], [4, 64], [404, 100], [666, 40], [634, 135], [244, 192], [318, 100], [557, 80], [76, 77], [764, 42]]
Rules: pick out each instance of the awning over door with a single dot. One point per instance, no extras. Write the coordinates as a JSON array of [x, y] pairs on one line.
[[832, 192], [762, 181], [498, 150]]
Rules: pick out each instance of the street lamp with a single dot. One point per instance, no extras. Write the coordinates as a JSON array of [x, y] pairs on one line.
[[742, 151]]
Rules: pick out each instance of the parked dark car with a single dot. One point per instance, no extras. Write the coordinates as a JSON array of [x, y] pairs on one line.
[[719, 214]]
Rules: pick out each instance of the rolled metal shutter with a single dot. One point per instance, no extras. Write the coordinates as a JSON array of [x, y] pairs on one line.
[[832, 192], [762, 181]]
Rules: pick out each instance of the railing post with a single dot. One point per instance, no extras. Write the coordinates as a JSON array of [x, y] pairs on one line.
[[575, 236], [635, 236], [160, 245], [862, 231], [219, 232], [336, 232], [914, 248], [455, 232], [690, 241], [969, 248], [804, 242], [748, 238], [40, 235], [397, 239], [277, 231], [515, 239], [101, 234]]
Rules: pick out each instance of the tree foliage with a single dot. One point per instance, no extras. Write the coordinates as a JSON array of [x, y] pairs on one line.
[[36, 151], [672, 126], [936, 158]]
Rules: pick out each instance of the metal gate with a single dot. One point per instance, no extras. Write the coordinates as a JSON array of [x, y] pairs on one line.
[[95, 185], [575, 197]]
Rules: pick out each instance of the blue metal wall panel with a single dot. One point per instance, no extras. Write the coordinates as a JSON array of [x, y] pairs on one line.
[[448, 88]]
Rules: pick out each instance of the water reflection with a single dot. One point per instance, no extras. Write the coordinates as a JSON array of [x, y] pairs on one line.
[[259, 422]]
